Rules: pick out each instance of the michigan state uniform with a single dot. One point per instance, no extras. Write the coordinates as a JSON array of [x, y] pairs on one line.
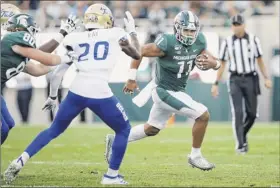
[[172, 72], [12, 63]]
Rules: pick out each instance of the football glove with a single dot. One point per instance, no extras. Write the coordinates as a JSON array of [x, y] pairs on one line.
[[73, 56], [51, 104], [129, 23], [69, 25]]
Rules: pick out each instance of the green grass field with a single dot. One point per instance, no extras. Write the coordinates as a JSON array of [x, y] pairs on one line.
[[76, 158]]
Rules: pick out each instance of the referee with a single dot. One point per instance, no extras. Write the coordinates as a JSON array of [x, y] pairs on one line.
[[242, 50]]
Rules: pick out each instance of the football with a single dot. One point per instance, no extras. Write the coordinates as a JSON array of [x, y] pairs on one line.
[[198, 61]]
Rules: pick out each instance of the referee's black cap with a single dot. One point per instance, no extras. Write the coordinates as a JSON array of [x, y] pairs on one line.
[[237, 19]]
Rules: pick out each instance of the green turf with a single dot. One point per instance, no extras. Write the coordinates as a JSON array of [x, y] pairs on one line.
[[76, 158]]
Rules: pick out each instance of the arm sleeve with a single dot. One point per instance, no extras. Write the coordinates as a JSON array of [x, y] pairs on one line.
[[258, 48], [56, 78], [161, 42], [223, 51]]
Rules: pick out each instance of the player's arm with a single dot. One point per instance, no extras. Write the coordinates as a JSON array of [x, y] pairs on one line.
[[157, 49], [147, 50], [222, 57], [128, 49], [66, 27], [42, 57], [56, 79], [37, 69]]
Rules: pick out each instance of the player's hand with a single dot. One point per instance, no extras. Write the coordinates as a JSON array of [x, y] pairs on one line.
[[215, 90], [51, 104], [73, 56], [205, 62], [70, 24], [129, 23], [267, 83], [130, 86]]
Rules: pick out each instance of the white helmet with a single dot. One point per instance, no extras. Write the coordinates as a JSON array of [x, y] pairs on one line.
[[98, 16]]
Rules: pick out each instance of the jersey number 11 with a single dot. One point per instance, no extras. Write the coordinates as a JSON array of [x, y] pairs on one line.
[[182, 66]]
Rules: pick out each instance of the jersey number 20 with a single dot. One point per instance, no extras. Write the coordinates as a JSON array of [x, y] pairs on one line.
[[95, 51]]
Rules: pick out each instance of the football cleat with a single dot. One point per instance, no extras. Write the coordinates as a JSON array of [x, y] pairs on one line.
[[12, 171], [200, 163], [108, 144], [108, 180]]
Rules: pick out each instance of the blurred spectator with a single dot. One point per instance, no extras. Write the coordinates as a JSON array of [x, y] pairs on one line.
[[118, 9], [24, 95], [157, 21], [78, 8]]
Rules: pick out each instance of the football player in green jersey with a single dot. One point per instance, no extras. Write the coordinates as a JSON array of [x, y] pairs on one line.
[[176, 55], [18, 46]]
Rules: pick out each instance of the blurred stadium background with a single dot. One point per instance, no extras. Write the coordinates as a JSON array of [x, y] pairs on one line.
[[76, 157], [152, 18]]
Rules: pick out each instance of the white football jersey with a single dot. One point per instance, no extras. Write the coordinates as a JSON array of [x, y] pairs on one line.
[[98, 52]]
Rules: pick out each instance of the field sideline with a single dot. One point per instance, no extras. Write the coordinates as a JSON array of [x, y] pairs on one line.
[[76, 158]]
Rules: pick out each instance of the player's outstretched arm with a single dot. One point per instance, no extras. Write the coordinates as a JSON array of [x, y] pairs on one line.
[[42, 57], [127, 48], [148, 50], [37, 69], [66, 27]]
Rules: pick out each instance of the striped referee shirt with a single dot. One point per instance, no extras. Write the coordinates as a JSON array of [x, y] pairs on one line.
[[241, 53]]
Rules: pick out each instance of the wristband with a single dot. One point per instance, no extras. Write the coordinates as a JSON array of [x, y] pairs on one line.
[[63, 32], [58, 38], [133, 33], [53, 98], [216, 83], [132, 74]]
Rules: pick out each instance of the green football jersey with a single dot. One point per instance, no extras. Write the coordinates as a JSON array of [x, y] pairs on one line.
[[172, 70], [11, 62]]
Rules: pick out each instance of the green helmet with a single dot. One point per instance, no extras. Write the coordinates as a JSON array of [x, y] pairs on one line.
[[186, 20], [22, 22]]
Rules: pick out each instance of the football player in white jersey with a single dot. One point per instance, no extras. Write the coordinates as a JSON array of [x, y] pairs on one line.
[[98, 48]]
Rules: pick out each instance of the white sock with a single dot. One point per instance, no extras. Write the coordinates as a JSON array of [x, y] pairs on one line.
[[23, 158], [136, 133], [195, 152], [112, 173]]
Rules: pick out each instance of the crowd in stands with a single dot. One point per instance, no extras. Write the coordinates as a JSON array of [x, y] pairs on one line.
[[49, 13]]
